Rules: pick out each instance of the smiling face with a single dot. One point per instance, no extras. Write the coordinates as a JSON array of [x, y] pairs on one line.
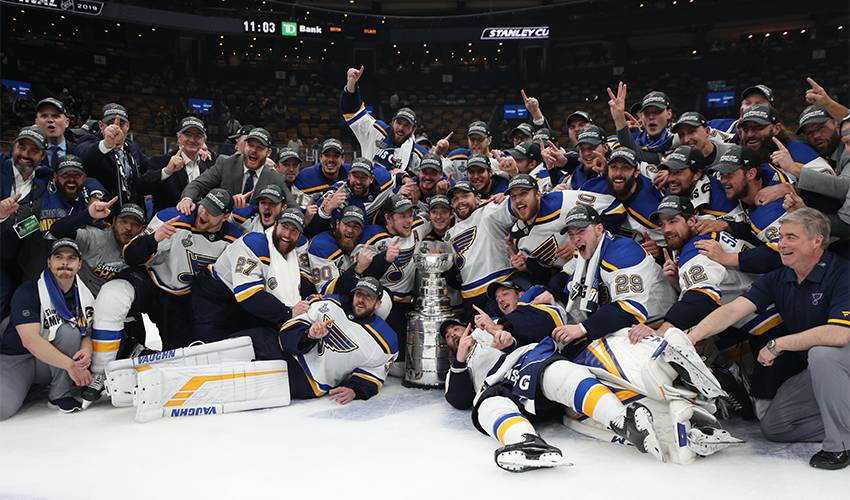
[[586, 155], [758, 137], [696, 137], [441, 218], [26, 156], [364, 304], [331, 162], [191, 141], [285, 237], [682, 181], [736, 185], [796, 247], [677, 230], [479, 178], [70, 184], [464, 203], [359, 183], [347, 235], [453, 335], [400, 224], [289, 169], [586, 239], [402, 130], [428, 178], [622, 178], [507, 299], [52, 122], [655, 120], [525, 202]]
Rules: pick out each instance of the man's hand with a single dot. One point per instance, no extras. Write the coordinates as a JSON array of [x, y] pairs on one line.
[[483, 320], [532, 105], [408, 190], [319, 329], [773, 193], [617, 104], [564, 186], [352, 77], [792, 202], [508, 165], [599, 162], [567, 333], [650, 246], [817, 95], [465, 344], [670, 270], [82, 358], [713, 250], [101, 209], [660, 180], [342, 395], [242, 200], [544, 298], [639, 332], [498, 198], [443, 145], [204, 153], [309, 213], [175, 163], [334, 201], [502, 339], [393, 250], [782, 157], [518, 259], [634, 123], [186, 206], [552, 155], [300, 308], [364, 260], [166, 230], [113, 136], [765, 357], [443, 186], [711, 226], [79, 374], [9, 206]]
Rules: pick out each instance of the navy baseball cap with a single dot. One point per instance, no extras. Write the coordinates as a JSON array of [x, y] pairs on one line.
[[673, 205], [591, 134], [353, 213], [736, 158], [762, 114], [582, 216], [461, 186], [478, 128], [510, 285], [812, 114], [51, 101], [217, 202], [431, 161], [70, 163], [683, 157], [35, 135]]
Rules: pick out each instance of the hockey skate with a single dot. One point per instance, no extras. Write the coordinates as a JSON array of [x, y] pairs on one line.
[[705, 441], [92, 392], [736, 398], [533, 453], [636, 428], [690, 367]]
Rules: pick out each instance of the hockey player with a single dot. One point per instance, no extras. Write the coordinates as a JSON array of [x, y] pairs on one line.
[[751, 96], [263, 215], [478, 139], [366, 186], [693, 130], [316, 179], [655, 138], [615, 284], [477, 238], [289, 166], [479, 173], [172, 250], [390, 146], [338, 347], [525, 158], [593, 149], [526, 321], [440, 218], [507, 391], [624, 181], [255, 282]]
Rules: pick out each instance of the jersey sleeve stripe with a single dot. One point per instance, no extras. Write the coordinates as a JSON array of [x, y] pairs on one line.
[[380, 340], [836, 321], [608, 266], [714, 296], [629, 308], [641, 219], [249, 292], [308, 190], [353, 117]]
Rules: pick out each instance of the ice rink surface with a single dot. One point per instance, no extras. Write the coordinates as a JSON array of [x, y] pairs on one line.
[[404, 443]]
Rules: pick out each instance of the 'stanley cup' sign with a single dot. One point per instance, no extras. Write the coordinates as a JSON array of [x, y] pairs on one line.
[[521, 33]]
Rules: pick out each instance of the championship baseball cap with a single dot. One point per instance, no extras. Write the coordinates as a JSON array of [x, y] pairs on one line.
[[625, 154], [673, 205], [51, 101], [736, 158], [762, 114], [523, 181], [478, 161], [70, 163], [192, 122], [526, 151], [582, 216], [361, 165], [461, 186], [543, 134], [761, 89], [406, 114], [271, 192], [65, 243], [292, 216], [444, 326], [286, 154], [397, 204], [655, 99], [691, 118], [439, 200], [33, 134], [262, 135], [812, 114], [133, 210], [330, 144], [423, 140], [579, 115], [523, 129], [243, 130], [370, 286], [591, 134], [431, 161], [217, 202], [113, 110], [510, 285], [683, 157], [353, 213], [478, 128]]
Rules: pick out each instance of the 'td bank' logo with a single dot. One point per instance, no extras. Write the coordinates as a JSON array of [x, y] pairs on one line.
[[288, 28], [522, 33]]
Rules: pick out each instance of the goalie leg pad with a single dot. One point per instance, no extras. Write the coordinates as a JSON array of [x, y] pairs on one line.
[[681, 353], [121, 374], [111, 308], [183, 391]]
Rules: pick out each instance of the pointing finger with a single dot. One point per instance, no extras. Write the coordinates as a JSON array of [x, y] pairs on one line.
[[524, 97], [813, 84], [112, 201], [779, 144], [480, 311], [666, 255], [448, 137]]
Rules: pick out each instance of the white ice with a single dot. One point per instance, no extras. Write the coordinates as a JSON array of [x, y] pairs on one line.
[[404, 443]]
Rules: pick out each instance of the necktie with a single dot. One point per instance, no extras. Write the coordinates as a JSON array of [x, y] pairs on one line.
[[54, 156], [125, 169], [249, 182]]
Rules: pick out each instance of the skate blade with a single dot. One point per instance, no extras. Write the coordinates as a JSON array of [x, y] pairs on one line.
[[643, 422], [709, 387], [516, 461]]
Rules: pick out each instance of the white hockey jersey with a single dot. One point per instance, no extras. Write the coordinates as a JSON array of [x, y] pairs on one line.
[[399, 280]]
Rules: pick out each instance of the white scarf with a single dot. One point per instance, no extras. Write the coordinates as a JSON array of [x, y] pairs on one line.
[[287, 272], [54, 311], [585, 276]]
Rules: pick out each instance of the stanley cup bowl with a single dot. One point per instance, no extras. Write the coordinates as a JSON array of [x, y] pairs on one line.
[[433, 263]]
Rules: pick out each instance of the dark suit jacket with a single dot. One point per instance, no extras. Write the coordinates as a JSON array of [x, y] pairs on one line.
[[70, 148], [166, 193], [227, 173], [104, 167]]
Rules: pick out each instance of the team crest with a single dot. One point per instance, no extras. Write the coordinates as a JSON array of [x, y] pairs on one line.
[[335, 340], [324, 309], [546, 252], [403, 259], [461, 244], [816, 298]]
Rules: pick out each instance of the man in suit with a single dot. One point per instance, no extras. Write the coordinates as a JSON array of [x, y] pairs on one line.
[[113, 159], [241, 174], [167, 175], [52, 119]]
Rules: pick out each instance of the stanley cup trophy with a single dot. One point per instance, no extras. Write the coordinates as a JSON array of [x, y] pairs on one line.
[[427, 353]]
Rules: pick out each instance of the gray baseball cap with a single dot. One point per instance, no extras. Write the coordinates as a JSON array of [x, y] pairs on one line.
[[625, 154], [478, 160], [461, 186], [673, 205], [132, 210], [65, 243], [439, 200], [406, 114], [353, 213], [683, 157], [370, 286], [431, 161], [361, 165], [812, 114], [260, 134], [271, 192], [582, 216], [655, 99], [217, 202], [579, 115], [330, 144], [736, 158], [286, 154], [192, 122], [691, 118], [292, 216], [112, 110], [35, 135], [590, 134], [523, 181], [51, 101], [762, 89], [478, 128], [762, 114], [70, 163], [397, 204]]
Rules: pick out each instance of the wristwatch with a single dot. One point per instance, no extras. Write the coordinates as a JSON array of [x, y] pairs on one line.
[[771, 348]]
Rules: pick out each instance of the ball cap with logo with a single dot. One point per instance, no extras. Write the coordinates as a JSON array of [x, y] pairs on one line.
[[272, 192], [683, 157], [65, 243], [526, 151], [625, 154], [579, 115], [523, 129], [286, 154], [494, 287], [70, 163], [461, 186], [812, 114], [407, 115], [759, 89], [591, 134], [262, 135], [582, 216], [691, 118], [444, 326], [191, 122], [439, 200], [760, 115], [243, 130], [478, 161], [655, 99], [423, 140], [353, 213], [522, 181], [217, 202], [736, 158], [332, 144], [397, 204], [362, 165], [292, 216], [673, 205], [478, 128], [51, 101], [132, 210], [114, 110], [431, 161], [370, 286], [34, 134]]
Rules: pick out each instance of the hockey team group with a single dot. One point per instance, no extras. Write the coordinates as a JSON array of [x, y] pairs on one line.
[[638, 287]]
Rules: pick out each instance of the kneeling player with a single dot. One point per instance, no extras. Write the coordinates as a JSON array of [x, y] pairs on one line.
[[506, 390]]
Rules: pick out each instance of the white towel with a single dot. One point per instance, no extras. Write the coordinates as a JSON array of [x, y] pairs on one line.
[[585, 276]]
